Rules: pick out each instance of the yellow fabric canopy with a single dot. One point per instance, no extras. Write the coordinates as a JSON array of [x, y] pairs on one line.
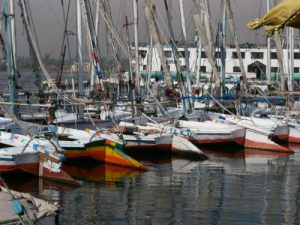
[[287, 13]]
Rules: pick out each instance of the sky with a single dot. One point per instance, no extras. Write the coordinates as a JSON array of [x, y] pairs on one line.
[[49, 24]]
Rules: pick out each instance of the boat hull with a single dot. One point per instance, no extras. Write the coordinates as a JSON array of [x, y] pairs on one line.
[[294, 136], [184, 148], [259, 141], [110, 152], [155, 142], [281, 134], [7, 164], [235, 138], [31, 163]]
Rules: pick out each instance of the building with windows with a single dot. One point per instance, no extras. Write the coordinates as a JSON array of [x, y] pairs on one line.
[[255, 61]]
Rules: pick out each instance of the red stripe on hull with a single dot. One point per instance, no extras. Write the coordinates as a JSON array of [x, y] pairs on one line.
[[76, 155], [33, 168], [141, 146], [239, 141], [97, 155], [59, 176], [282, 137], [6, 168], [29, 167], [265, 146], [293, 139], [165, 146]]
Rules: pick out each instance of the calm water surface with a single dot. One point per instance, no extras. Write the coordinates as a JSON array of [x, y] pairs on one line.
[[246, 187]]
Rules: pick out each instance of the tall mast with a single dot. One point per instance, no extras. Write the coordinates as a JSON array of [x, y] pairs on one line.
[[199, 52], [13, 33], [235, 38], [186, 51], [291, 59], [80, 58], [223, 51], [10, 50], [136, 42], [206, 44], [111, 41], [268, 50], [149, 66], [130, 83], [150, 15], [93, 74], [175, 55]]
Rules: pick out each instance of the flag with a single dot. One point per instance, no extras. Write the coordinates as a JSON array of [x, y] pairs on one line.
[[287, 13]]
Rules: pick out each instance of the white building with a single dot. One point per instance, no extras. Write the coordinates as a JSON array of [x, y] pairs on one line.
[[255, 61]]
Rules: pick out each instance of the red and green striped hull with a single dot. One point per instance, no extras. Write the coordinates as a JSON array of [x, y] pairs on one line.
[[110, 152]]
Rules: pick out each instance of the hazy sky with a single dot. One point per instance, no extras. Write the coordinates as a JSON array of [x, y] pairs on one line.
[[49, 24]]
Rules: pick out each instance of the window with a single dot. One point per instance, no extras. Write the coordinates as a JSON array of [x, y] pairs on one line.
[[296, 69], [142, 53], [274, 69], [181, 54], [168, 54], [236, 69], [203, 55], [144, 67], [273, 55], [203, 69], [219, 68], [257, 55], [218, 55], [235, 55], [297, 55]]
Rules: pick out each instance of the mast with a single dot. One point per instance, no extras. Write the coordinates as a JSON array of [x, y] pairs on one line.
[[150, 15], [149, 66], [235, 38], [199, 52], [80, 58], [10, 57], [13, 33], [175, 54], [279, 56], [130, 83], [111, 41], [136, 42], [268, 50], [223, 51], [186, 51], [291, 58], [206, 44], [93, 74]]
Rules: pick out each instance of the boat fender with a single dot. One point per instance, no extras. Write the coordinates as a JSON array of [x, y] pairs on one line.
[[17, 207], [222, 117]]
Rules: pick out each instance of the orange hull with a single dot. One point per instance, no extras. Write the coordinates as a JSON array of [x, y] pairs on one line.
[[294, 139], [110, 155], [266, 146]]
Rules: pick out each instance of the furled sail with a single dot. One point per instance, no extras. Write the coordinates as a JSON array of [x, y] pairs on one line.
[[287, 13]]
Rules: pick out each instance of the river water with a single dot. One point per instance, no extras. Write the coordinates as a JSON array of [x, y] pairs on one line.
[[244, 187]]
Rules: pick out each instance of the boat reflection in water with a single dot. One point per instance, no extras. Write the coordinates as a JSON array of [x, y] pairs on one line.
[[99, 172]]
